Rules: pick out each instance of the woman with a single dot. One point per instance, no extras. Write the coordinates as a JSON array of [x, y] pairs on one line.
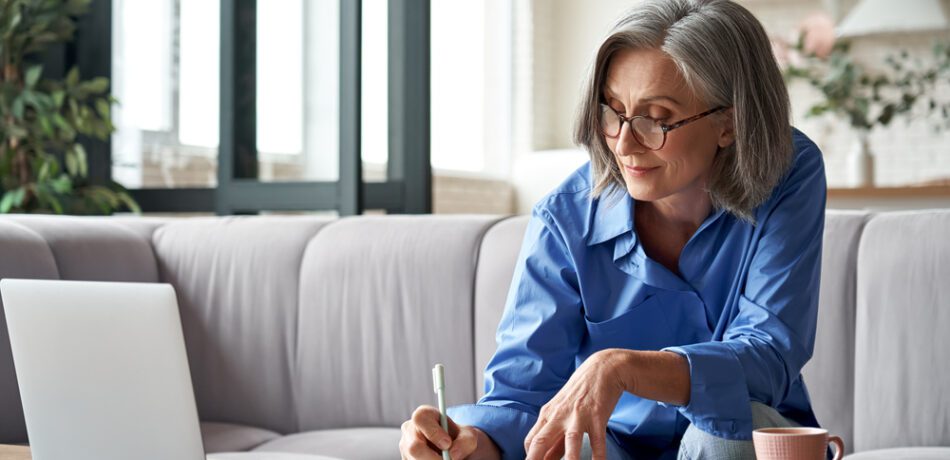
[[665, 298]]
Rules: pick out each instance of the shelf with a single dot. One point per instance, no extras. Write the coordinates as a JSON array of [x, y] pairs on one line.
[[928, 191]]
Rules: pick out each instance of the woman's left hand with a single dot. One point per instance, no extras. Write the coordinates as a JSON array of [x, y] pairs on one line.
[[583, 405]]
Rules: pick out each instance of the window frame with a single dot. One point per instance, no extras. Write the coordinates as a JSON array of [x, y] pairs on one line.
[[408, 186]]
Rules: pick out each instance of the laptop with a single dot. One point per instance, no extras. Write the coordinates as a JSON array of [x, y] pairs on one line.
[[102, 370]]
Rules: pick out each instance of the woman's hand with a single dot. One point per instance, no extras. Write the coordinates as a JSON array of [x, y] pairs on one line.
[[423, 439], [583, 406]]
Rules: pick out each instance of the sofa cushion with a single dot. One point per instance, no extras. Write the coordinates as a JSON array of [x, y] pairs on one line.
[[228, 437], [23, 254], [902, 381], [95, 248], [349, 443], [829, 375], [237, 285], [383, 299], [496, 266], [904, 453]]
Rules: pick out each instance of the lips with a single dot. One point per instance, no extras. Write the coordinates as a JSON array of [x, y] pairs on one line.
[[638, 171]]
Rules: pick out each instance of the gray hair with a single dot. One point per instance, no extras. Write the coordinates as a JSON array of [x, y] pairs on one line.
[[726, 59]]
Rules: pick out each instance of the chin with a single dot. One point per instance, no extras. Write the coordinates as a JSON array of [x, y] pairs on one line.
[[644, 192]]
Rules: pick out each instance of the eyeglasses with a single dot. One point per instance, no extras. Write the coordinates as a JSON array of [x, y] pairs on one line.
[[648, 132]]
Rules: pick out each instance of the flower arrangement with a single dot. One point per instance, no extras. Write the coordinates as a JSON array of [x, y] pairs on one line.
[[905, 87]]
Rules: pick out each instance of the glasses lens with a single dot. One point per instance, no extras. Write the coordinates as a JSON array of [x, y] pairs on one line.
[[609, 121], [648, 132]]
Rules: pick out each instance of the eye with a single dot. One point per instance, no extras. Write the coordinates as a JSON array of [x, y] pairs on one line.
[[660, 115]]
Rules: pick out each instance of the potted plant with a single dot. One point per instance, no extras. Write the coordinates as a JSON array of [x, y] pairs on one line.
[[866, 99], [43, 165]]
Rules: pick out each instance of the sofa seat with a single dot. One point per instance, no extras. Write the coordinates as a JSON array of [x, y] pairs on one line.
[[229, 437], [350, 443], [903, 453]]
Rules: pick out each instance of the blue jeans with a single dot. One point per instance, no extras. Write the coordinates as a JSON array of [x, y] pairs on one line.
[[699, 445]]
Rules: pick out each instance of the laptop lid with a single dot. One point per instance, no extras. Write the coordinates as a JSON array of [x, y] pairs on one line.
[[102, 370]]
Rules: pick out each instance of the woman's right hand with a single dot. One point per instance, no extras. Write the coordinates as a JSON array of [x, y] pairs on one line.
[[423, 438]]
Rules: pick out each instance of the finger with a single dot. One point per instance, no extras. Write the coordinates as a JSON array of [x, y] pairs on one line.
[[454, 428], [573, 440], [427, 421], [464, 444], [556, 452], [549, 436], [598, 444], [420, 449], [408, 434], [542, 421]]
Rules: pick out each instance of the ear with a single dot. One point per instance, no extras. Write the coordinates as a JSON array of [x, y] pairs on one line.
[[727, 135]]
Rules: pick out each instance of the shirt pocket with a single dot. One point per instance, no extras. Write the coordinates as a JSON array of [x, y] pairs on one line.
[[641, 327]]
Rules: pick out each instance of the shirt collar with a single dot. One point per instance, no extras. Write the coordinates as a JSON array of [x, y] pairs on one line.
[[612, 215]]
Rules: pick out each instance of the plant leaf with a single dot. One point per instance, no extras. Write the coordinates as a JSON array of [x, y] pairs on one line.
[[97, 85], [72, 78], [72, 164], [18, 107], [33, 75], [58, 97], [62, 184], [81, 159], [102, 106], [7, 202], [43, 174], [129, 202]]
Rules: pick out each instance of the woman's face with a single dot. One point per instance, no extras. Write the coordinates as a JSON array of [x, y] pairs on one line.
[[647, 82]]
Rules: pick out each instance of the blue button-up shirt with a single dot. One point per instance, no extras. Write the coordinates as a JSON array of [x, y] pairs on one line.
[[742, 310]]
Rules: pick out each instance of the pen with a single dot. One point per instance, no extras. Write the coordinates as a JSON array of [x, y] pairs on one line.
[[438, 383]]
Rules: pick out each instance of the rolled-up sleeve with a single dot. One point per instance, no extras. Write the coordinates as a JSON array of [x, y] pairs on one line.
[[772, 334], [538, 338]]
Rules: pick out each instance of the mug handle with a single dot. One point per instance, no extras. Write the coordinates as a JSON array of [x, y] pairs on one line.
[[839, 446]]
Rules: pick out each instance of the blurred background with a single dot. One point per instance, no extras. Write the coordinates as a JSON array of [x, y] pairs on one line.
[[465, 106]]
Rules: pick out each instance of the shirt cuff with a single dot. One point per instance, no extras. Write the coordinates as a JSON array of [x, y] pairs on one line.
[[506, 426], [719, 401]]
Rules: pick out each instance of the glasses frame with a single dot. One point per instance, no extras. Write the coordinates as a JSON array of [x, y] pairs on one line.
[[663, 126]]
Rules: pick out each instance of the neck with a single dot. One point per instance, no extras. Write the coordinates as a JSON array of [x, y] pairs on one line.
[[685, 210]]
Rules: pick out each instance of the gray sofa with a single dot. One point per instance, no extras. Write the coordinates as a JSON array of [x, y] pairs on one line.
[[315, 335]]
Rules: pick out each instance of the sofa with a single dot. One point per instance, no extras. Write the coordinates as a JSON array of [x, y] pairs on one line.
[[317, 335]]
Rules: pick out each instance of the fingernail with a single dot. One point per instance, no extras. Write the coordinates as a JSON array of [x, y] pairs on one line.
[[445, 444]]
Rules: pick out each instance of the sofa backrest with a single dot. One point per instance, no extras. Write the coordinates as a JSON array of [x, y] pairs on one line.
[[237, 280], [496, 266], [902, 347], [97, 248], [829, 375], [382, 299], [70, 248], [23, 254]]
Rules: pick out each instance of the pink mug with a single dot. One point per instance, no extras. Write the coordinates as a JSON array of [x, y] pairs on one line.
[[794, 444]]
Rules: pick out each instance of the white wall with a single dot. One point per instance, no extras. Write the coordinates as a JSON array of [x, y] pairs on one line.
[[564, 35], [571, 35], [567, 32]]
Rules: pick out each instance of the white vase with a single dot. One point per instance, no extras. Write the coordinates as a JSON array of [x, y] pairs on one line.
[[860, 161]]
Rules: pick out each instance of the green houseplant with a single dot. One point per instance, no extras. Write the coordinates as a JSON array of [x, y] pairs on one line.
[[866, 98], [43, 165]]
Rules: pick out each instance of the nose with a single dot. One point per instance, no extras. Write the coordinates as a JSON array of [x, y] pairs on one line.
[[627, 143]]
